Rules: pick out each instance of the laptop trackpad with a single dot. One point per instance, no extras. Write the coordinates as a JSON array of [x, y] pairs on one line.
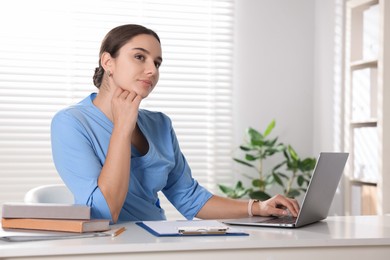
[[248, 220]]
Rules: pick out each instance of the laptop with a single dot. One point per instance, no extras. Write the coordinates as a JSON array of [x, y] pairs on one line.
[[317, 200]]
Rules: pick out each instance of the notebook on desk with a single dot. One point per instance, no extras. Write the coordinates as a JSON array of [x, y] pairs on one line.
[[317, 200]]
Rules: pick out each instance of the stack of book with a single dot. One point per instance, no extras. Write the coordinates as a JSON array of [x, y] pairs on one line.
[[52, 217]]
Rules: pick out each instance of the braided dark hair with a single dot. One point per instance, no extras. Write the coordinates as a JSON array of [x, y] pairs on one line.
[[114, 40]]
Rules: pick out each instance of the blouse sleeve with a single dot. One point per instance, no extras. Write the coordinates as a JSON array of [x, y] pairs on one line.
[[182, 190], [77, 163]]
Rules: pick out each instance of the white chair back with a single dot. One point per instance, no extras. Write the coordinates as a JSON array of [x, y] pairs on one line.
[[53, 193]]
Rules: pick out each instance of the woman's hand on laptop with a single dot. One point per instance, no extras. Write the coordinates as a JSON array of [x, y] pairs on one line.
[[277, 206]]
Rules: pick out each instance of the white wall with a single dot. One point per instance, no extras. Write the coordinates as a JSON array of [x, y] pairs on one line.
[[285, 69], [274, 69], [327, 76], [328, 83]]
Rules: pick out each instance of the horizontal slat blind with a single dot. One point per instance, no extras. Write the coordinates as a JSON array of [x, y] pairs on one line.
[[48, 53]]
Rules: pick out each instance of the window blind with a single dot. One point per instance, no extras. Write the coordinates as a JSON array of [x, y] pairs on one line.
[[48, 53]]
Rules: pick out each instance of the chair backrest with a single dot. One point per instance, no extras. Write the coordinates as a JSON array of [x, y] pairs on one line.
[[53, 193]]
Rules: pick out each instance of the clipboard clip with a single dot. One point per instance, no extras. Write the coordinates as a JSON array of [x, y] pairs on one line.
[[202, 230]]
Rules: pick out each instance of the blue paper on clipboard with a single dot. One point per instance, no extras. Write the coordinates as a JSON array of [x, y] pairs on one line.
[[189, 228]]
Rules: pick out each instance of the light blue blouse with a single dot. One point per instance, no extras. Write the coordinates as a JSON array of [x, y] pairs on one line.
[[80, 136]]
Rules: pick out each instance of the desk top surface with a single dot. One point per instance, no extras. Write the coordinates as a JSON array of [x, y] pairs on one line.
[[334, 231]]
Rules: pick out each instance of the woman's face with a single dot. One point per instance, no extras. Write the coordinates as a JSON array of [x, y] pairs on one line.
[[136, 68]]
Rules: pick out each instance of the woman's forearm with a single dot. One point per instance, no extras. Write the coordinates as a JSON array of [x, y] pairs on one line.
[[222, 208], [115, 175]]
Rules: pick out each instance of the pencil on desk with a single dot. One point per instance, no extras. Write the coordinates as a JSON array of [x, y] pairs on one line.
[[118, 232]]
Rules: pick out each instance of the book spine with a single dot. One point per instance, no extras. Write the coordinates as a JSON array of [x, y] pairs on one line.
[[43, 224], [49, 212]]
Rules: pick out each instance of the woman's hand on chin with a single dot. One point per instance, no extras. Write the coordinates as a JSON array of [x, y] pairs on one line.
[[124, 106]]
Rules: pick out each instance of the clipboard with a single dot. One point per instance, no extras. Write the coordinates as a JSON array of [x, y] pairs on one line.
[[189, 228]]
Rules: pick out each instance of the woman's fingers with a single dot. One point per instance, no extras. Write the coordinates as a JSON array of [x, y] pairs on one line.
[[125, 105], [279, 206], [118, 91], [124, 94], [131, 95]]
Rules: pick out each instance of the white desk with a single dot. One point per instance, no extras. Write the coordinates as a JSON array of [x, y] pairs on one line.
[[363, 237]]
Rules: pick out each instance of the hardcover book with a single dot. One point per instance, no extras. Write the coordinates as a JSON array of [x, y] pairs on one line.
[[66, 225], [46, 210]]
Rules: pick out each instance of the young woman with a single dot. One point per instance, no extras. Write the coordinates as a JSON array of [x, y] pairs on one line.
[[115, 157]]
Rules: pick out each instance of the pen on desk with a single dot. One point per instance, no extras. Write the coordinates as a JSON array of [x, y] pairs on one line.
[[118, 232]]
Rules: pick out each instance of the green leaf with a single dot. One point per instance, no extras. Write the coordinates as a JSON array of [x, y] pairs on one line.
[[245, 148], [280, 147], [293, 193], [269, 128], [239, 185], [250, 157], [238, 192], [225, 189], [284, 176], [257, 143], [270, 143], [278, 179], [258, 183], [307, 164], [293, 154], [244, 162], [300, 180], [255, 136], [270, 151], [260, 195], [286, 155], [279, 165]]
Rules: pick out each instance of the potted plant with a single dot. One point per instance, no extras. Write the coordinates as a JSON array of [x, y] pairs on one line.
[[292, 174]]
